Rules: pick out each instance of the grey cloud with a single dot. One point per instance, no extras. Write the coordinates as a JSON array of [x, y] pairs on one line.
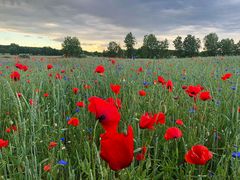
[[105, 20]]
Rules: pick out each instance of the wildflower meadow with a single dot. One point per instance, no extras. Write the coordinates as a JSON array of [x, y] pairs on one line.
[[104, 118]]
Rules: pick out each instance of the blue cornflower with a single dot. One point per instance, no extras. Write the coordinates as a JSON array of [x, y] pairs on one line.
[[89, 130], [77, 110], [211, 174], [68, 118], [62, 162], [218, 103], [192, 110], [146, 83], [236, 154], [62, 139], [233, 88]]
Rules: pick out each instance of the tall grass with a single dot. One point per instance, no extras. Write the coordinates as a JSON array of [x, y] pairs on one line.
[[214, 124]]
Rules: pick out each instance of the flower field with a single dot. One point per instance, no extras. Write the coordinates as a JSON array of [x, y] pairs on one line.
[[99, 118]]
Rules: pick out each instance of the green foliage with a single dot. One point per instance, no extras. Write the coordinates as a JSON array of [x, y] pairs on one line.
[[211, 44], [191, 45], [150, 46], [113, 50], [71, 47], [215, 124], [178, 44], [227, 46], [130, 41], [14, 49]]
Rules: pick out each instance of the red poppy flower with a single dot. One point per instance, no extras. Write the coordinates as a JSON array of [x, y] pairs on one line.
[[19, 95], [86, 86], [169, 85], [14, 127], [31, 101], [47, 168], [45, 94], [52, 145], [113, 61], [147, 121], [80, 104], [117, 149], [239, 109], [205, 96], [3, 143], [161, 80], [179, 122], [73, 121], [116, 102], [199, 155], [141, 156], [160, 118], [100, 69], [58, 76], [226, 76], [193, 91], [201, 87], [15, 76], [75, 90], [63, 71], [49, 66], [24, 68], [115, 88], [8, 130], [172, 133], [105, 112], [18, 65], [21, 66], [140, 69], [184, 87], [142, 93]]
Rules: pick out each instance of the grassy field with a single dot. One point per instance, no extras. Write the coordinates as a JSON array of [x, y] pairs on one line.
[[213, 123]]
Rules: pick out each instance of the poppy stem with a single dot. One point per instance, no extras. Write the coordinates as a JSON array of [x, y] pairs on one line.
[[116, 175]]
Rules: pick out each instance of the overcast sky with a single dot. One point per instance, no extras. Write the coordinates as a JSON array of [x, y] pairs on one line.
[[96, 22]]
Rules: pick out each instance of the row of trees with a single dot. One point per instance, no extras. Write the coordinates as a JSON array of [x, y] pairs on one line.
[[151, 48], [15, 49], [187, 47]]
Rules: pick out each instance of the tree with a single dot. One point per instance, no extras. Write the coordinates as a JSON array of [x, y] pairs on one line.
[[163, 48], [150, 46], [71, 47], [114, 50], [178, 44], [14, 49], [191, 45], [211, 44], [237, 48], [227, 46], [130, 41]]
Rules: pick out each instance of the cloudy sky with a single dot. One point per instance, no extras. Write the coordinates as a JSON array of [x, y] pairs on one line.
[[96, 22]]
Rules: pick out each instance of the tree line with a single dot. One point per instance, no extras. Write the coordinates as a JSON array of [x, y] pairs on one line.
[[188, 46], [15, 49]]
